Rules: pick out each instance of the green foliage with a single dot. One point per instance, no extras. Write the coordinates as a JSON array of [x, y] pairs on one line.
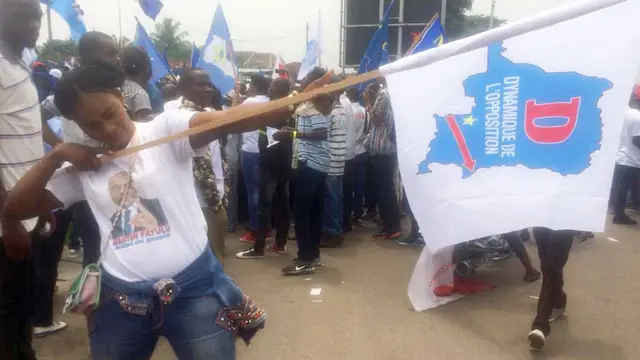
[[57, 50], [170, 37], [460, 23]]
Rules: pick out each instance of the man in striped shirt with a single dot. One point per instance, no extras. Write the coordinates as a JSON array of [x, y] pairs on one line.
[[21, 147], [332, 217], [383, 156]]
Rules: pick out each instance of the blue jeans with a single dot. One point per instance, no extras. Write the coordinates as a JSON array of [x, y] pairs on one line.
[[189, 324], [251, 172], [308, 208], [332, 216], [131, 316], [359, 180]]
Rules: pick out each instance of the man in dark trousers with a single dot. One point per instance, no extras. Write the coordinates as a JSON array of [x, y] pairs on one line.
[[21, 148], [553, 250], [275, 173]]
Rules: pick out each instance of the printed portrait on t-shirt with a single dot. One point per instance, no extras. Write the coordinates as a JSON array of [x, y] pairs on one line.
[[137, 220]]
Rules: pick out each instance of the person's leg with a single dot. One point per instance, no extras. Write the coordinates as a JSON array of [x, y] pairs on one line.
[[265, 195], [391, 164], [212, 233], [347, 196], [626, 181], [194, 339], [371, 186], [46, 253], [221, 233], [553, 249], [232, 210], [317, 211], [332, 213], [87, 229], [385, 196], [15, 309], [517, 245], [359, 177], [415, 237], [116, 334], [251, 173], [281, 213]]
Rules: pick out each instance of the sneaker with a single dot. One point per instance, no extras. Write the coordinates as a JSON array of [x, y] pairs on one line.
[[248, 237], [250, 254], [317, 262], [412, 240], [624, 220], [299, 268], [556, 314], [277, 249], [536, 339], [74, 253], [42, 331], [388, 235]]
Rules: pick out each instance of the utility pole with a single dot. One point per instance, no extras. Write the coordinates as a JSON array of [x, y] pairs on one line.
[[120, 25], [49, 28], [443, 12], [493, 10]]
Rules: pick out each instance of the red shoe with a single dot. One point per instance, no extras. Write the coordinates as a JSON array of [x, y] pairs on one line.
[[387, 235], [248, 237], [277, 249]]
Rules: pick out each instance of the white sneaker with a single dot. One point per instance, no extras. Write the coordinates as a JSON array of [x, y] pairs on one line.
[[536, 339], [556, 314], [49, 330]]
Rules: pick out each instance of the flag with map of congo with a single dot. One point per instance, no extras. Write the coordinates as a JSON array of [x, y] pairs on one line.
[[516, 127]]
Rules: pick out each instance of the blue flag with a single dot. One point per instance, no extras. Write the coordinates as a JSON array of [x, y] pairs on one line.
[[217, 57], [72, 14], [432, 36], [195, 55], [377, 53], [151, 8], [159, 68]]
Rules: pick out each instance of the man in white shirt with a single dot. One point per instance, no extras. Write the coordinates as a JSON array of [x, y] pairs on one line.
[[21, 147], [258, 89], [627, 172]]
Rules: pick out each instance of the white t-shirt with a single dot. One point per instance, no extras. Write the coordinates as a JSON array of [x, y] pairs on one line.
[[250, 139], [359, 122], [161, 230], [20, 124], [628, 153]]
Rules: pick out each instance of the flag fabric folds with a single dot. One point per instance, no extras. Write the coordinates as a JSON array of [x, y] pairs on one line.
[[71, 12], [377, 52], [195, 55], [279, 70], [151, 8], [217, 57], [313, 52], [432, 36], [478, 142], [159, 68]]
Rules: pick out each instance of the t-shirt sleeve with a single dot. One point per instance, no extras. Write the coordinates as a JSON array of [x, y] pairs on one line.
[[382, 103], [65, 185], [140, 101], [320, 122], [635, 123], [173, 122]]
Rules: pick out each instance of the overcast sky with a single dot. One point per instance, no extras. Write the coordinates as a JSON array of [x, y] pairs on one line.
[[276, 26]]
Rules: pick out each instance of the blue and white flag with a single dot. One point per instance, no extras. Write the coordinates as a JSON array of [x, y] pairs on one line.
[[516, 127], [71, 12], [195, 55], [159, 67], [312, 53], [432, 36], [151, 8], [217, 57]]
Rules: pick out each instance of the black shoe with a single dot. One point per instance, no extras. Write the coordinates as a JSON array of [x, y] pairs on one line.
[[250, 254], [624, 220], [299, 268]]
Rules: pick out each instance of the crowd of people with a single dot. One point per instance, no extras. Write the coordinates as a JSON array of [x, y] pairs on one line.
[[310, 172]]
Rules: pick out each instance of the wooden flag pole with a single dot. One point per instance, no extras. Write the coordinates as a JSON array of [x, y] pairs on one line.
[[240, 113]]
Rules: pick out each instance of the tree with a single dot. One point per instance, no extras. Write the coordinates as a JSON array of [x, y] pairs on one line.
[[474, 24], [125, 41], [57, 50], [170, 40]]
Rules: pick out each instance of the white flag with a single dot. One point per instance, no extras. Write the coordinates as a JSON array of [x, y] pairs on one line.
[[517, 127], [312, 53]]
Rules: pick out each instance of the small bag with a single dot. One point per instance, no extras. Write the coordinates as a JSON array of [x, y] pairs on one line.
[[84, 294]]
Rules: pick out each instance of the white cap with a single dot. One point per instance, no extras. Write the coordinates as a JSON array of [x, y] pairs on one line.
[[56, 73]]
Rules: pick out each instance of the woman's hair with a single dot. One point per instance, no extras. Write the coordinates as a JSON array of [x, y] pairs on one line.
[[135, 62], [91, 78]]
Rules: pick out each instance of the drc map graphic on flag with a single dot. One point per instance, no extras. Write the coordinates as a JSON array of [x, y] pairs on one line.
[[523, 116]]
